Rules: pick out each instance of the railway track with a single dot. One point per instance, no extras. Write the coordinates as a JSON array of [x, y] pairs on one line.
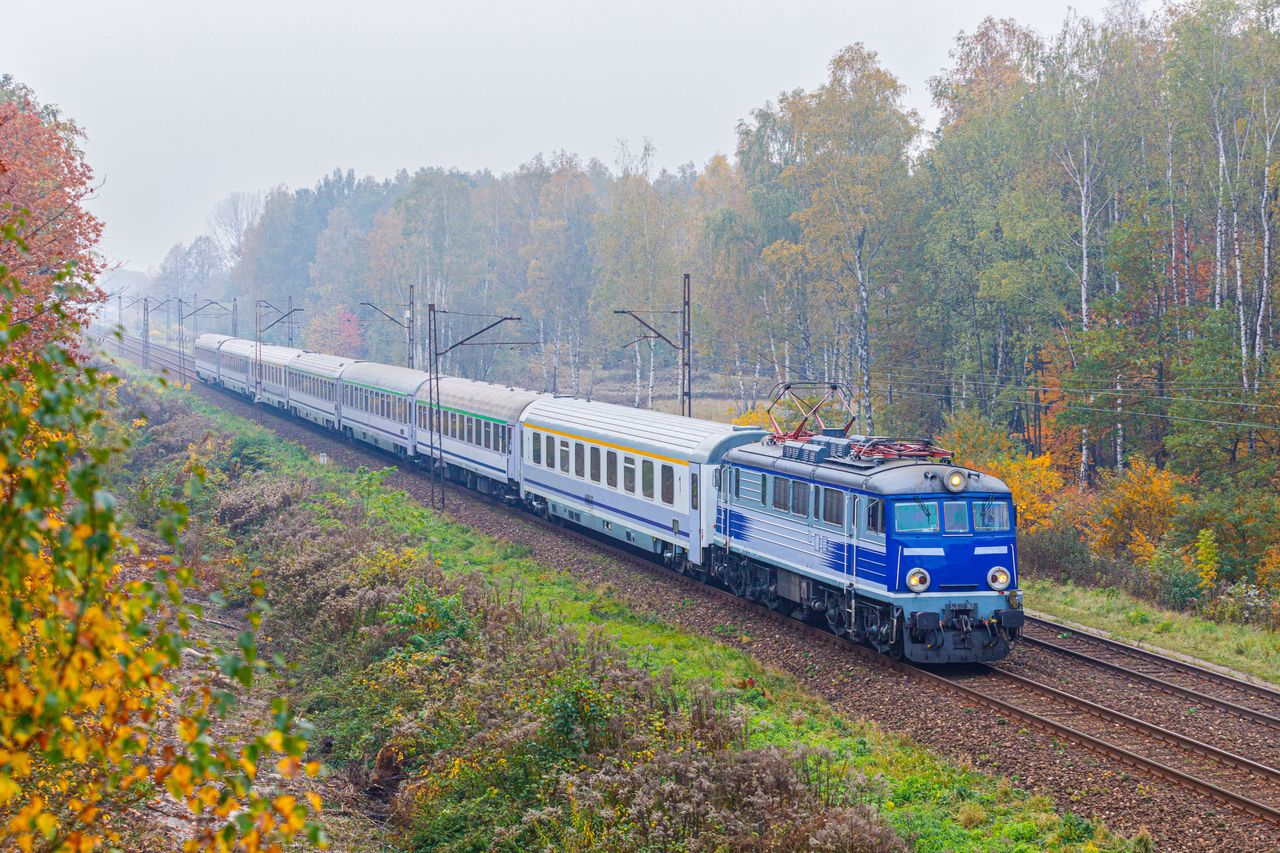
[[1229, 778]]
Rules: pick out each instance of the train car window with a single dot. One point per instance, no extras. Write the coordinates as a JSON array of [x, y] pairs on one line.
[[646, 478], [990, 516], [579, 460], [536, 444], [488, 435], [833, 506], [693, 489], [564, 456], [595, 464], [764, 487], [611, 469], [506, 439], [629, 474], [471, 429], [800, 498], [915, 516], [668, 475], [551, 452], [955, 517], [781, 494]]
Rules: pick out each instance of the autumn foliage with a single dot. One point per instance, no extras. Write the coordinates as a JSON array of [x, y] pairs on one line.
[[44, 182]]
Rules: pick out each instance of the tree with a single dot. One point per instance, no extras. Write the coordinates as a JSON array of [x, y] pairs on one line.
[[230, 220], [44, 182], [86, 709]]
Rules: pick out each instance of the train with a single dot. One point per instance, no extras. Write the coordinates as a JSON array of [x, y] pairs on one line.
[[885, 541]]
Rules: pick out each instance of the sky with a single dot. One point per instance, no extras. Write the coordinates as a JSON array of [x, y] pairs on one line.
[[185, 101]]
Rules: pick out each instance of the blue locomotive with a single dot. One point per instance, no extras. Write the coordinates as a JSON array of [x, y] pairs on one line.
[[883, 540]]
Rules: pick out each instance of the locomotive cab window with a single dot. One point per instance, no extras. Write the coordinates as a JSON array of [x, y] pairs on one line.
[[871, 524], [915, 517], [990, 516], [955, 516]]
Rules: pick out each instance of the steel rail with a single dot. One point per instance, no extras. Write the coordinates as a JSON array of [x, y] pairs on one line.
[[1032, 718], [1155, 681], [1240, 684]]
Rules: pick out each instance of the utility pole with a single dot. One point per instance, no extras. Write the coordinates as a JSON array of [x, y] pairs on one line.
[[258, 330], [409, 321], [235, 316], [434, 413], [181, 365], [289, 325], [1037, 366], [146, 332], [684, 348]]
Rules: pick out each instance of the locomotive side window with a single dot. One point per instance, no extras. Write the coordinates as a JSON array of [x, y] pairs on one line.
[[871, 524], [764, 487], [915, 517], [579, 460], [611, 469], [595, 464], [646, 478], [629, 474], [955, 517], [990, 516], [799, 499], [737, 483], [668, 485], [781, 494], [833, 506]]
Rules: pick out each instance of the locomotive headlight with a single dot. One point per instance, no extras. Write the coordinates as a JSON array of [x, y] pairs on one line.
[[998, 578], [955, 481], [917, 580]]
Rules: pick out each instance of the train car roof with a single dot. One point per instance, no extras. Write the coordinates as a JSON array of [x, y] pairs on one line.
[[489, 399], [322, 364], [212, 341], [388, 377], [889, 477], [271, 353], [652, 433]]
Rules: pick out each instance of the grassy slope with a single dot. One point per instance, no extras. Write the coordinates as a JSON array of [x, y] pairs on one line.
[[1244, 648], [923, 797]]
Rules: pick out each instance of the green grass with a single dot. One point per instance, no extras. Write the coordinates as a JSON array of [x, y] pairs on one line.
[[1245, 648], [936, 804]]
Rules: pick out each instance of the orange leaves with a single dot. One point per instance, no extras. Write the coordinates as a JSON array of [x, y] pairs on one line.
[[1133, 511]]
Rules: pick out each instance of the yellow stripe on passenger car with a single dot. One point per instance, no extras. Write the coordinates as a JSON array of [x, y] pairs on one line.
[[608, 444]]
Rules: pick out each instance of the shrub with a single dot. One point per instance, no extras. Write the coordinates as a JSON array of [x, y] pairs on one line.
[[970, 814]]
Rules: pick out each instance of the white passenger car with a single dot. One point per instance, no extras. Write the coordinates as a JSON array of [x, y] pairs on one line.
[[640, 476], [376, 401]]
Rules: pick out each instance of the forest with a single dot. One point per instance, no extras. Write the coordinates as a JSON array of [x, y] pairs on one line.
[[1079, 256]]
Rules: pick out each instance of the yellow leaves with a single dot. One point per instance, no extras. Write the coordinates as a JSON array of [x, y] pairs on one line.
[[8, 788], [275, 740], [188, 729], [1134, 510], [1035, 484]]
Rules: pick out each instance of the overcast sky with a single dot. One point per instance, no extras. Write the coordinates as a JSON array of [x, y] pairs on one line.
[[187, 101]]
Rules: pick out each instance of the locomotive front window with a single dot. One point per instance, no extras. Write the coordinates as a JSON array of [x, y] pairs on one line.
[[916, 517], [955, 516], [990, 516]]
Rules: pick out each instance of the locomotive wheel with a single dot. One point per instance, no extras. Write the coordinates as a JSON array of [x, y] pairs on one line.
[[735, 577]]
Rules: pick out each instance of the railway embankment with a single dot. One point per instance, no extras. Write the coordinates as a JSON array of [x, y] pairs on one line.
[[523, 690]]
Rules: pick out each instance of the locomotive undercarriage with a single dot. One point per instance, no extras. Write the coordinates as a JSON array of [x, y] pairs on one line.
[[953, 636]]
